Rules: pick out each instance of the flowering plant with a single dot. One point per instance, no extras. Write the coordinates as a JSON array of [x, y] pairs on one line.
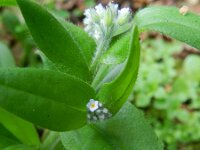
[[87, 77]]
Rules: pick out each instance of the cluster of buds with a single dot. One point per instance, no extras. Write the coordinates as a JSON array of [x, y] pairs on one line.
[[96, 111], [103, 21]]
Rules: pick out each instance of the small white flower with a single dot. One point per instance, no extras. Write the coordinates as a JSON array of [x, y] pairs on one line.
[[114, 8], [123, 16], [96, 111], [100, 10], [93, 105], [102, 22]]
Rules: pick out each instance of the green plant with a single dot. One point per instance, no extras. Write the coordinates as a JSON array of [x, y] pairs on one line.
[[175, 95], [79, 68]]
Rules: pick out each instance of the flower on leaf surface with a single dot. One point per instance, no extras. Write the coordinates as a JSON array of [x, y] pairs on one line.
[[93, 105], [96, 111]]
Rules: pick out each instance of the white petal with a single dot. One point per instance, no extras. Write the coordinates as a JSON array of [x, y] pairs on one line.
[[123, 16], [100, 10]]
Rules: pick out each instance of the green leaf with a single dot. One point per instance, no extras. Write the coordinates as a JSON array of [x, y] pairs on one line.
[[127, 130], [191, 67], [102, 72], [54, 40], [47, 64], [52, 141], [85, 138], [115, 93], [10, 21], [123, 29], [6, 58], [50, 99], [8, 3], [7, 138], [22, 129], [118, 51], [19, 147], [86, 44], [169, 21]]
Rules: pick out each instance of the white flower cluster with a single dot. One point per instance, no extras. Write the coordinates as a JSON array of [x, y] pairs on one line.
[[96, 111], [103, 21]]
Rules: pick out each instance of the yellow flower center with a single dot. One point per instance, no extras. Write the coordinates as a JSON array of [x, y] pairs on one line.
[[92, 105]]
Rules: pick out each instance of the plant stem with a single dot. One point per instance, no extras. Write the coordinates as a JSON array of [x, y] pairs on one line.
[[104, 43]]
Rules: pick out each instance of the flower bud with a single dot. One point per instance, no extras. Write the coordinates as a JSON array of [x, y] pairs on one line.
[[108, 19], [96, 111]]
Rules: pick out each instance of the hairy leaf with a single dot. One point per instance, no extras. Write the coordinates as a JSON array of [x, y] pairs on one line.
[[115, 93], [169, 21], [86, 44], [118, 51], [54, 40], [128, 130]]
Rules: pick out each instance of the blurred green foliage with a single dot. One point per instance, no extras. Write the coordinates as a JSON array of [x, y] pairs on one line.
[[168, 88]]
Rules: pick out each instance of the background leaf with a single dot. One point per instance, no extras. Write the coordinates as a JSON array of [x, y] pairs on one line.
[[46, 98], [54, 41], [6, 58], [191, 67], [128, 130], [22, 129], [169, 21]]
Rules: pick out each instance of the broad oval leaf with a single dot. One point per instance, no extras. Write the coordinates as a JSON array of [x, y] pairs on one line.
[[6, 58], [22, 129], [54, 40], [115, 93], [50, 99], [169, 21], [127, 130]]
